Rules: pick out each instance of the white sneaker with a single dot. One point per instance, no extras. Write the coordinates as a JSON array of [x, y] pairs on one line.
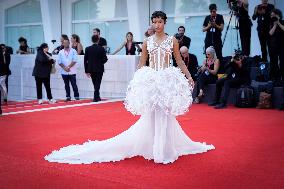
[[52, 101], [40, 101]]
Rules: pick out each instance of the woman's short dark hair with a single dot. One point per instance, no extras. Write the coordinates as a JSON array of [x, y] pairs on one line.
[[159, 14], [278, 12], [95, 38], [21, 39], [212, 6], [43, 46]]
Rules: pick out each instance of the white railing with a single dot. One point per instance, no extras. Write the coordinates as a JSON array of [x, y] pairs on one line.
[[119, 71]]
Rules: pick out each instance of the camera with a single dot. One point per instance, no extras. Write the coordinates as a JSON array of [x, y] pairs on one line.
[[261, 7], [53, 41], [211, 19], [274, 19], [237, 56], [177, 36], [233, 4], [199, 71]]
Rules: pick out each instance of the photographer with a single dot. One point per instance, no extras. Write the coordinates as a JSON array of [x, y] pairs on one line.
[[60, 47], [207, 74], [237, 74], [214, 25], [276, 44], [240, 8], [262, 14], [182, 39]]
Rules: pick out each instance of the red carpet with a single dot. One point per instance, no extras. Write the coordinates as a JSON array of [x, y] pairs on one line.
[[249, 150], [13, 106]]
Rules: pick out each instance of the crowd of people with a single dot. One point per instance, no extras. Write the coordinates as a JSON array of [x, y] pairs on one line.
[[270, 28]]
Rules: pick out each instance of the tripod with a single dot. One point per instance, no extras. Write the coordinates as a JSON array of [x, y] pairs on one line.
[[236, 28]]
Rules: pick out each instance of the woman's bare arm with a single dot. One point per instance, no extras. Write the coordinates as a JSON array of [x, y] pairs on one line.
[[144, 55], [179, 60], [119, 48]]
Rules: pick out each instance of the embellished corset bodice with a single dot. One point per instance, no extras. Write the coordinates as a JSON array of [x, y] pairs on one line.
[[160, 55]]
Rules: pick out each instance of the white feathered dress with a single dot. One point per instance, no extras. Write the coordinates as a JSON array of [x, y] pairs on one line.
[[158, 93]]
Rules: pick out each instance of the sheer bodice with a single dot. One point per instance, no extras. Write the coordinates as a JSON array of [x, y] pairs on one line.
[[160, 55]]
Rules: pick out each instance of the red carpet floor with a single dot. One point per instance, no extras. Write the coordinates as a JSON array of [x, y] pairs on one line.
[[13, 106], [249, 150]]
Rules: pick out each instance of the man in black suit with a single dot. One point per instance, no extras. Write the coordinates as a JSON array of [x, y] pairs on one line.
[[94, 60]]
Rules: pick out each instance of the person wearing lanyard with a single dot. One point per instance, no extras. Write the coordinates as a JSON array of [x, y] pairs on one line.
[[213, 25], [207, 73], [67, 59]]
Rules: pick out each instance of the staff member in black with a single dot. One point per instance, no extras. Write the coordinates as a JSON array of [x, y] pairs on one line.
[[7, 59], [41, 72], [213, 25], [101, 41], [238, 74], [3, 73], [276, 44], [262, 14], [94, 60]]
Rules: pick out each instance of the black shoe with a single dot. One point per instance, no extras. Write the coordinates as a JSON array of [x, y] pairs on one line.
[[77, 98], [281, 107], [97, 100], [221, 106], [5, 100], [214, 103], [68, 99]]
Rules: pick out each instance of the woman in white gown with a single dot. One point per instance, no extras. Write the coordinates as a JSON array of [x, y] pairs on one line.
[[158, 93]]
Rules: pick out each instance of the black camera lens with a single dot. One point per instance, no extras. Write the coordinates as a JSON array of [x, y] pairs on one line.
[[274, 19]]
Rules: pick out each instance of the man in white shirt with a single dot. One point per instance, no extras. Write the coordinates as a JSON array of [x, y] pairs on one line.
[[67, 59]]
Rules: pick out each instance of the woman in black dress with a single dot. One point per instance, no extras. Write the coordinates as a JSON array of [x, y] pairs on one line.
[[76, 44], [129, 44], [208, 73]]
